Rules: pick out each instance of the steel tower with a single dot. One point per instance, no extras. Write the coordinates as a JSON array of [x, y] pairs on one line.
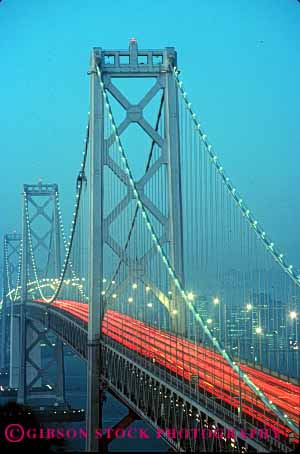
[[132, 63]]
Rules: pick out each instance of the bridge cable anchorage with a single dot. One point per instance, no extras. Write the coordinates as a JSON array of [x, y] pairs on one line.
[[259, 231], [66, 262], [176, 281]]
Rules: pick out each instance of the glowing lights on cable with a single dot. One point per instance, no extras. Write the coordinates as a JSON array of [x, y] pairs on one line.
[[253, 223]]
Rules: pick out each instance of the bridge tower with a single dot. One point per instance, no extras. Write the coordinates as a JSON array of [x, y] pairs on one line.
[[40, 232], [11, 261], [128, 64]]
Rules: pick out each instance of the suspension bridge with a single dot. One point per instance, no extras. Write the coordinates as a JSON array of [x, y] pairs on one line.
[[166, 285]]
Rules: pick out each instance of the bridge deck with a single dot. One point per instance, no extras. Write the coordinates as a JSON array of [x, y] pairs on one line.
[[184, 359]]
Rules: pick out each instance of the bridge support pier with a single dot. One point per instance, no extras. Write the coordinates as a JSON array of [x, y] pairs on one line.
[[60, 380], [34, 381], [14, 362], [4, 334], [33, 353], [94, 397]]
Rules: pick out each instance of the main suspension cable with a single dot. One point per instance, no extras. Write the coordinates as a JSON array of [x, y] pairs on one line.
[[254, 224], [79, 187]]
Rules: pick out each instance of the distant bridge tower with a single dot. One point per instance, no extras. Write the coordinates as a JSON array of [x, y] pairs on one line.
[[41, 238], [132, 63], [11, 261]]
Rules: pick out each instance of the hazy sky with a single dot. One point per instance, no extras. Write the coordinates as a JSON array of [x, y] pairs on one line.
[[240, 62]]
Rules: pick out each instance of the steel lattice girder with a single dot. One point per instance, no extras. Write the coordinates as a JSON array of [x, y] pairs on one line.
[[28, 355], [46, 194], [142, 64], [11, 257]]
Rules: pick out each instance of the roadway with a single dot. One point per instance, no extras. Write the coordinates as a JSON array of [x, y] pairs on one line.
[[188, 361]]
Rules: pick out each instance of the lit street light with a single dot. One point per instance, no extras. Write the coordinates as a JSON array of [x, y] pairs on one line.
[[258, 331], [191, 296], [293, 316], [216, 302]]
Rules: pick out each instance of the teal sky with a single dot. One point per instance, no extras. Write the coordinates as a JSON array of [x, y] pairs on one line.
[[240, 62]]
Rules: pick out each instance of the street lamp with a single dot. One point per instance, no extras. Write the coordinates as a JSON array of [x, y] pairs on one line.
[[190, 296], [216, 302], [293, 316], [258, 331], [249, 308]]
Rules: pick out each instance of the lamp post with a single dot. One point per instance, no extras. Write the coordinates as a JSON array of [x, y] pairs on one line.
[[249, 308], [293, 316], [216, 302], [258, 331], [225, 327], [240, 387]]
